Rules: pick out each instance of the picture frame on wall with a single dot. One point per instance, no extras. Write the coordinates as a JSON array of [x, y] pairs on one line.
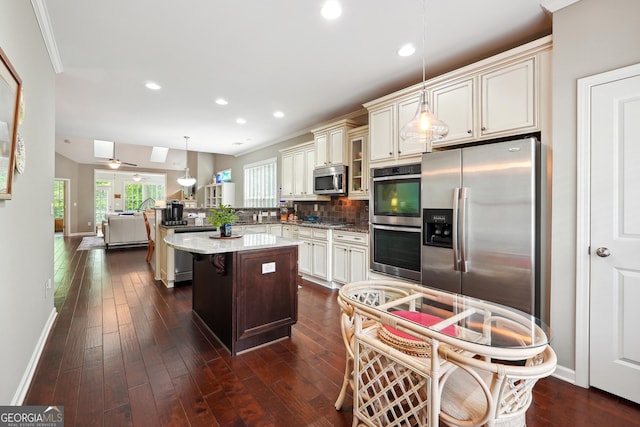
[[10, 87]]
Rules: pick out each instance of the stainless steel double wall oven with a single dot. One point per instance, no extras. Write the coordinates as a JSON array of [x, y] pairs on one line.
[[395, 224]]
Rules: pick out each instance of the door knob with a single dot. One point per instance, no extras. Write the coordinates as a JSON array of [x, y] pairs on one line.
[[603, 252]]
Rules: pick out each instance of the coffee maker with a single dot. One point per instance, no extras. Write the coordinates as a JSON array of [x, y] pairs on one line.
[[172, 214]]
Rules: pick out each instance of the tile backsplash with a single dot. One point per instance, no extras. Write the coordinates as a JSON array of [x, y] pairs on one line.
[[339, 209]]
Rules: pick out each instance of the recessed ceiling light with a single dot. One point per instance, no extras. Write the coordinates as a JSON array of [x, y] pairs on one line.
[[331, 9], [240, 121], [221, 101], [152, 85], [407, 50], [278, 114]]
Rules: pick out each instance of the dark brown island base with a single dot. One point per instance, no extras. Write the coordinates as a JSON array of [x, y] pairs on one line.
[[244, 289]]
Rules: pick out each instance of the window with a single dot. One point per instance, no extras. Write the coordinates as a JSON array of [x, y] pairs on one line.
[[102, 192], [136, 193], [260, 184], [58, 199]]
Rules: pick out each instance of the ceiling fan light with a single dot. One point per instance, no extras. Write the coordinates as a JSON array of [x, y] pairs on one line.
[[114, 165], [136, 177]]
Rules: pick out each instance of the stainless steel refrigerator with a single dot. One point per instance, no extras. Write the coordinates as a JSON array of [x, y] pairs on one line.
[[479, 222]]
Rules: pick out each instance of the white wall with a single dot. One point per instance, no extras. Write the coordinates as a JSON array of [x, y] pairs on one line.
[[26, 221], [589, 37]]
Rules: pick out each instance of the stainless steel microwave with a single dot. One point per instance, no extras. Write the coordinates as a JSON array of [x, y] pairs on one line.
[[330, 181]]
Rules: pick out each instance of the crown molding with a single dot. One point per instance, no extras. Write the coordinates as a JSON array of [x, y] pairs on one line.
[[555, 5], [42, 15]]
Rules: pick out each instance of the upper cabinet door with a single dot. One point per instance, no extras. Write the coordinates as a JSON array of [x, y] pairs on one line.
[[310, 161], [508, 99], [381, 127], [453, 104], [322, 149], [299, 173], [407, 110], [336, 147]]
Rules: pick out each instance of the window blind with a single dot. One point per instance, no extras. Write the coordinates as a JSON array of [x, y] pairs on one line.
[[260, 184]]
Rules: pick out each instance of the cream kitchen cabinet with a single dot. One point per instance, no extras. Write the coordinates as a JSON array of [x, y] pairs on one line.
[[499, 102], [255, 228], [216, 195], [296, 177], [386, 118], [505, 95], [508, 101], [350, 253], [453, 104], [314, 257], [290, 231], [275, 229], [358, 174], [330, 143]]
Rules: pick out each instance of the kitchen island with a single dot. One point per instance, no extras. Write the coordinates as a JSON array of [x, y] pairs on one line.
[[171, 265], [244, 288]]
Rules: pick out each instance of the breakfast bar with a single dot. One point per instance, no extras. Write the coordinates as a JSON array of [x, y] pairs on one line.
[[244, 287]]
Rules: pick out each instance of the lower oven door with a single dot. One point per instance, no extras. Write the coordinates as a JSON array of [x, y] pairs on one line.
[[396, 251]]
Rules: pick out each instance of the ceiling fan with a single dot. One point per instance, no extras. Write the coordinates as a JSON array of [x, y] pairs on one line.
[[115, 163]]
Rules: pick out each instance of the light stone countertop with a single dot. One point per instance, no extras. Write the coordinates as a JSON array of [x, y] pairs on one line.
[[207, 243]]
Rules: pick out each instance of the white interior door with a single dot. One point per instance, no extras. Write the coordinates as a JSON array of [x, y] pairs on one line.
[[615, 238]]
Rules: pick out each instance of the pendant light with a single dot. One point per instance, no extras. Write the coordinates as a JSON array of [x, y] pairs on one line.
[[186, 180], [424, 128]]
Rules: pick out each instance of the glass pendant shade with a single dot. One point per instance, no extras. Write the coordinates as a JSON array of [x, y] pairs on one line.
[[114, 165], [424, 128], [186, 180]]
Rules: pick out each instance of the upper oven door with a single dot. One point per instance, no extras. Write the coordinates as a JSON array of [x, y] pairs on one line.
[[396, 200]]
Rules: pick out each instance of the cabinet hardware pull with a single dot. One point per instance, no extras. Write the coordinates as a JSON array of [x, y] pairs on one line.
[[469, 132], [483, 128]]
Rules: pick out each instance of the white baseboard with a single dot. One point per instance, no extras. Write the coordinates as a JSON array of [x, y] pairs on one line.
[[23, 387], [565, 374], [84, 233], [318, 281]]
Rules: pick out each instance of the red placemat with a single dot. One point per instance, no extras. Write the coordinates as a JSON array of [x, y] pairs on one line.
[[423, 319]]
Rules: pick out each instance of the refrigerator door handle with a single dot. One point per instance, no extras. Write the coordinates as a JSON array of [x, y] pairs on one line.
[[454, 231], [463, 228]]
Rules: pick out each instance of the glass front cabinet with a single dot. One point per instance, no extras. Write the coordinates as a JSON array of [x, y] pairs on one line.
[[358, 172]]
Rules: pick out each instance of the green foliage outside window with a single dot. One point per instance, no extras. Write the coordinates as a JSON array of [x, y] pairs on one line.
[[58, 199], [136, 193]]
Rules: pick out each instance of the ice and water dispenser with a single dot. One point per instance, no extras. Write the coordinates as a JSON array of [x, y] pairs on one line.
[[437, 227]]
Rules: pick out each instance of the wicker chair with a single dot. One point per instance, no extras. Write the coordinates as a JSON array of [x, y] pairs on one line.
[[373, 295], [151, 242], [482, 393]]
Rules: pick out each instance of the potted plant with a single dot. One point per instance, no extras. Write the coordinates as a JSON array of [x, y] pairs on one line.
[[222, 218]]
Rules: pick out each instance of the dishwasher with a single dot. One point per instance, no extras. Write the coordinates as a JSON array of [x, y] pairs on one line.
[[183, 261]]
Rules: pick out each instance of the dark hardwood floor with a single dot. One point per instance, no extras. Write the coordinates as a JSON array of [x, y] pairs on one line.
[[127, 351]]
